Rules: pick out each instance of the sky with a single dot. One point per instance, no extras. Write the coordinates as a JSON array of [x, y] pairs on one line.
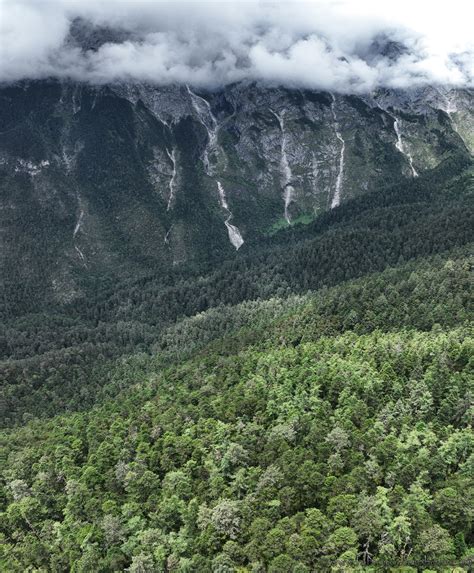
[[321, 44]]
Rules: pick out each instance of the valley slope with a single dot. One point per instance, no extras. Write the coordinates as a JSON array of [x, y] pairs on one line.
[[170, 402]]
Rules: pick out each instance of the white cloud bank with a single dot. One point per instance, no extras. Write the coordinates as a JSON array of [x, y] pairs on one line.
[[324, 44]]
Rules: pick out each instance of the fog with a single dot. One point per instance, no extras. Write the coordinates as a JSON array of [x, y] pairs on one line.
[[345, 46]]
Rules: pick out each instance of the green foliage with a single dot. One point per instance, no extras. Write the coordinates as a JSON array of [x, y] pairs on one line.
[[306, 406], [315, 454]]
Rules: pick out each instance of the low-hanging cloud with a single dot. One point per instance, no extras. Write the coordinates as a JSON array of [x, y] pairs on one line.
[[324, 44]]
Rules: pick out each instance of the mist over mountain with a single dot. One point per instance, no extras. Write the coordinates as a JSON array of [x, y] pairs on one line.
[[349, 47]]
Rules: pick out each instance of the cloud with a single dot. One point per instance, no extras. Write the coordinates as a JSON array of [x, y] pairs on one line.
[[341, 45]]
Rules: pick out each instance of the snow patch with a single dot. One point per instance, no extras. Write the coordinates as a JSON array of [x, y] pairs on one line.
[[76, 100], [77, 229], [33, 169], [235, 236], [400, 145], [78, 226], [340, 171], [203, 110], [81, 255], [172, 183], [449, 108], [167, 236], [285, 169], [315, 172]]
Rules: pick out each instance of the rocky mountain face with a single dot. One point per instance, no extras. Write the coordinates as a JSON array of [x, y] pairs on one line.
[[114, 179]]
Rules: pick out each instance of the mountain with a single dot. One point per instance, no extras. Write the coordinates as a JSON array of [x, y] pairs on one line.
[[115, 180], [236, 327]]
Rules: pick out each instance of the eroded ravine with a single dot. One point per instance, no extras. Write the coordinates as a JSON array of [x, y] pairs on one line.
[[203, 110], [340, 170], [285, 169], [400, 144]]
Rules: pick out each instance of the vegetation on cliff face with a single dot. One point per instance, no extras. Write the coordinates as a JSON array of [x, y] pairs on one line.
[[103, 183]]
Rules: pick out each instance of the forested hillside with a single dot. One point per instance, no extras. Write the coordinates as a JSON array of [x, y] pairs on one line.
[[48, 356], [103, 183], [306, 406]]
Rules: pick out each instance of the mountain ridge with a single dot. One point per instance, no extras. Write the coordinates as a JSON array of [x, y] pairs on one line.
[[122, 178]]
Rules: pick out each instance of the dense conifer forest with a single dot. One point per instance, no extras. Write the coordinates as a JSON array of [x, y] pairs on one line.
[[305, 405]]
